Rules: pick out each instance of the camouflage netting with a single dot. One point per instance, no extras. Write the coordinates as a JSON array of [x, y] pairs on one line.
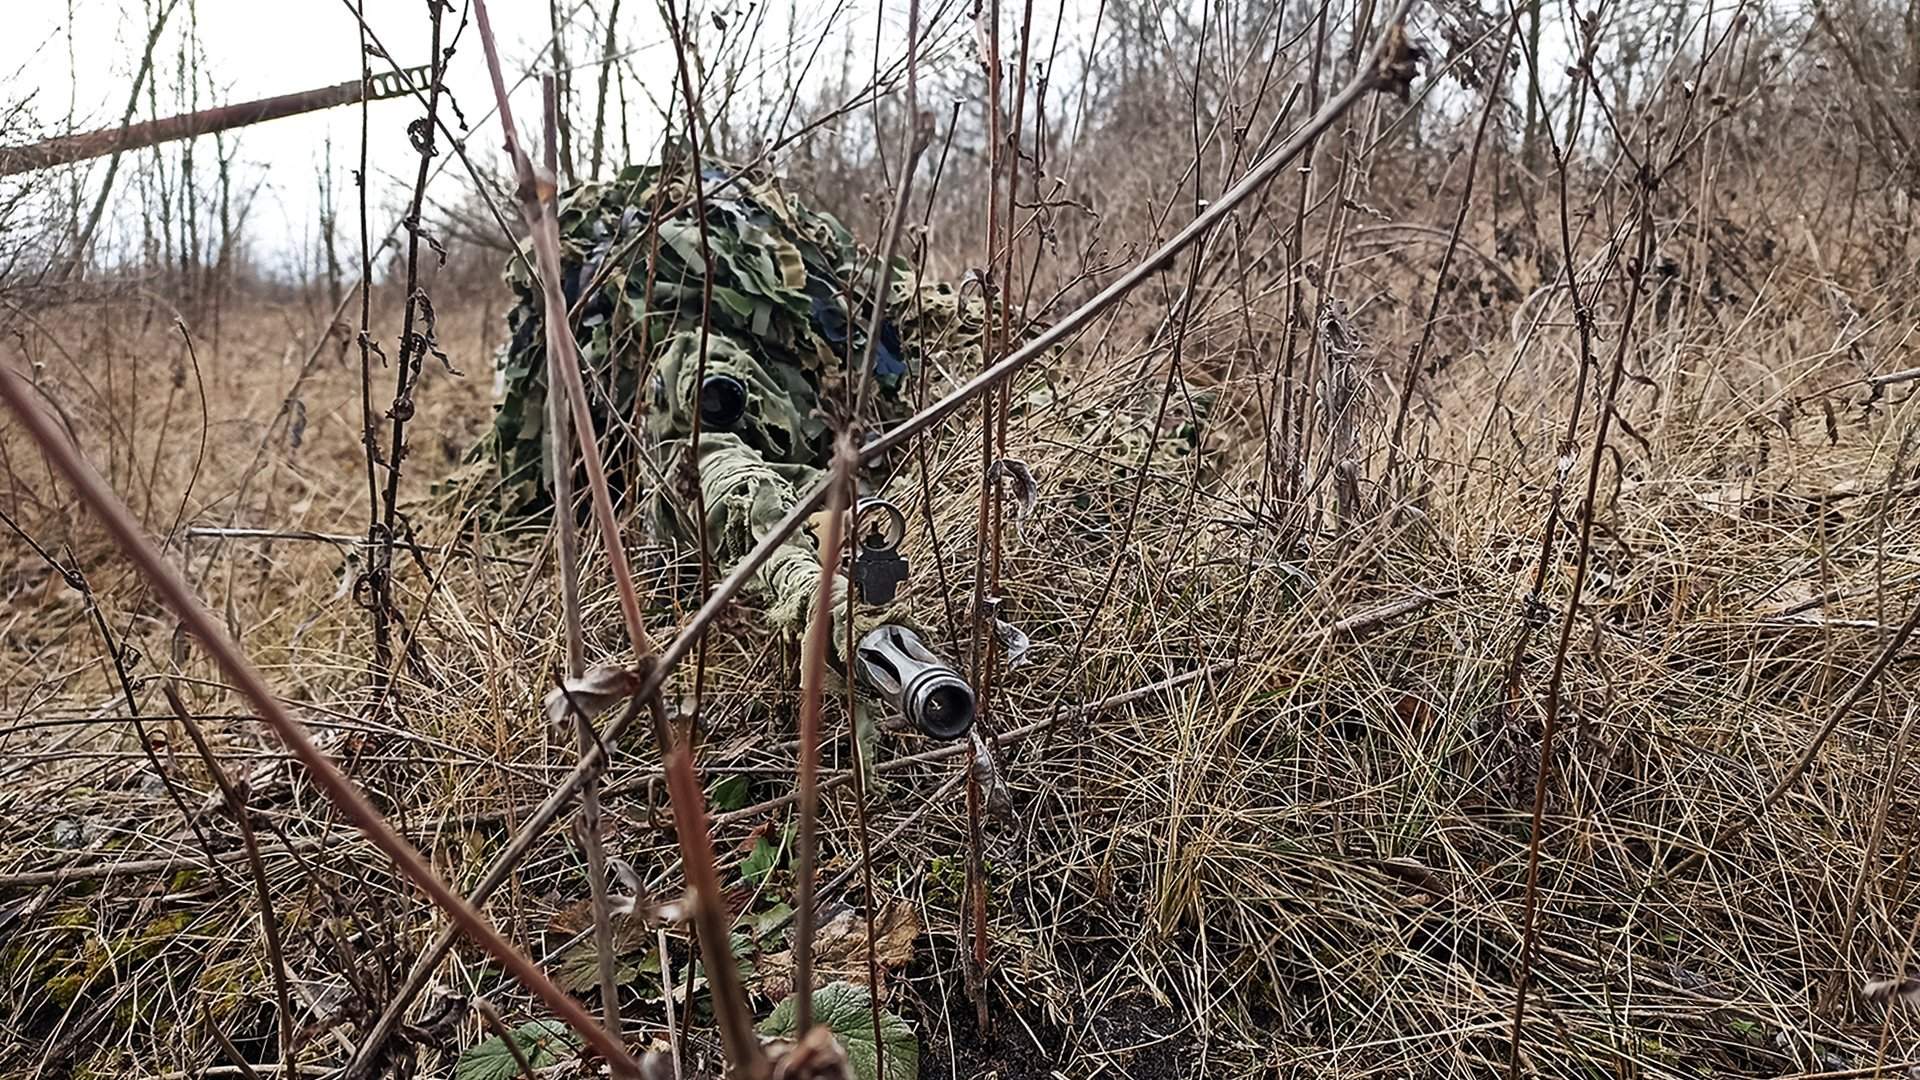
[[784, 282]]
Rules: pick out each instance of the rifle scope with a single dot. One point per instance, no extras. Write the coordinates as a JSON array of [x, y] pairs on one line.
[[723, 401]]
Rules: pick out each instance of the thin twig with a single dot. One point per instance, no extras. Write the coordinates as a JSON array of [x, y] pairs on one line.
[[227, 1048], [116, 658], [710, 919], [563, 352], [1543, 771], [505, 1035], [199, 623], [269, 922], [690, 461], [214, 532], [413, 346], [813, 677], [1415, 359], [666, 995], [560, 455]]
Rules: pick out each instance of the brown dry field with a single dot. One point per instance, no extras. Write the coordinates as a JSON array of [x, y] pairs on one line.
[[1285, 827]]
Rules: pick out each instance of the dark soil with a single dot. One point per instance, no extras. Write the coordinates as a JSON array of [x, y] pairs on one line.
[[1007, 1051]]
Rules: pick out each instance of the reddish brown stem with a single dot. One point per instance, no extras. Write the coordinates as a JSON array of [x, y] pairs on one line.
[[710, 918], [813, 678], [269, 923], [200, 623]]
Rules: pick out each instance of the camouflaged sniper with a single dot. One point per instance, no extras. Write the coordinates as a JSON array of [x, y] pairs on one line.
[[784, 282]]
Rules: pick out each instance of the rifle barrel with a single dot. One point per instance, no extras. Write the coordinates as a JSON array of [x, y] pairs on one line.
[[66, 149]]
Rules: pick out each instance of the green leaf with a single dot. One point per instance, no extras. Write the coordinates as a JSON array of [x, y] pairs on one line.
[[729, 794], [544, 1042], [847, 1011], [770, 921], [765, 857], [759, 863], [741, 946]]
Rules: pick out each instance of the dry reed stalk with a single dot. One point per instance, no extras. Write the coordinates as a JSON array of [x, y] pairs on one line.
[[565, 378], [1543, 771], [1410, 380], [535, 194], [710, 916], [198, 622], [690, 462], [916, 133], [560, 455], [263, 894], [813, 677]]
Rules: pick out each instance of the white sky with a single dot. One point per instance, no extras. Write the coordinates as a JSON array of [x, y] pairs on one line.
[[254, 49], [78, 57]]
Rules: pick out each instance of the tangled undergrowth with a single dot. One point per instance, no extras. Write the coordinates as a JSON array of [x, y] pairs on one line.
[[1269, 764], [1297, 841]]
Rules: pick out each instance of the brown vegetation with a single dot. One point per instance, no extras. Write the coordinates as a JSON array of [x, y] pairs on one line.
[[1468, 589]]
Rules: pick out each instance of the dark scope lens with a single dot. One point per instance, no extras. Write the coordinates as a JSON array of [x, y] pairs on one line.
[[723, 400]]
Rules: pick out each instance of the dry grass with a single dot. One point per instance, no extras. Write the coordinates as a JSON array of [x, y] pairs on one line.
[[1303, 852]]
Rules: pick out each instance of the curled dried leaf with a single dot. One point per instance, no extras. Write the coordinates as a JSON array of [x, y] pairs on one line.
[[815, 1056], [986, 772], [1014, 642], [592, 693], [1020, 485], [629, 900], [840, 949], [1905, 989], [623, 872]]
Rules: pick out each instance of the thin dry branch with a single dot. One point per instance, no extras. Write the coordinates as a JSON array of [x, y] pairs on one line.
[[710, 917], [654, 676], [535, 193], [813, 677], [269, 922], [198, 622]]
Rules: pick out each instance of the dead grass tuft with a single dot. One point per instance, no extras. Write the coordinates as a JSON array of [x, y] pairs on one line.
[[1270, 762]]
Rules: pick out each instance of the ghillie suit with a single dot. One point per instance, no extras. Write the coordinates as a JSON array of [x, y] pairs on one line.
[[786, 295]]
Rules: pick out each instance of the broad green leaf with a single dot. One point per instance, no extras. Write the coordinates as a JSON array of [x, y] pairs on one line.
[[544, 1042], [770, 921], [759, 863], [729, 794], [847, 1010], [766, 856]]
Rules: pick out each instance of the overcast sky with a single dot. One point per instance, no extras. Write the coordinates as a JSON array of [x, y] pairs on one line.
[[77, 58], [80, 58]]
